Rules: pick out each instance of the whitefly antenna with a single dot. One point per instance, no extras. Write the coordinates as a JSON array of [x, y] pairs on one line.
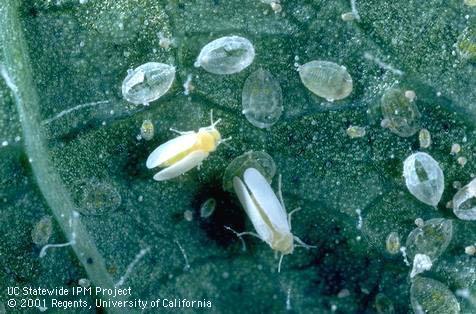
[[213, 123]]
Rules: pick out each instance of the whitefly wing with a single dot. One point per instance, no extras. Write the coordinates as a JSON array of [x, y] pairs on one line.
[[180, 167], [266, 199], [263, 230], [170, 149]]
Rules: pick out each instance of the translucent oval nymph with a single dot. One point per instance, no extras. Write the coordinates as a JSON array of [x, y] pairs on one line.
[[466, 44], [98, 198], [464, 202], [147, 130], [326, 79], [401, 113], [424, 138], [184, 152], [208, 207], [383, 304], [262, 99], [226, 55], [148, 82], [432, 297], [41, 233], [392, 243], [261, 161], [424, 178], [266, 212], [431, 239]]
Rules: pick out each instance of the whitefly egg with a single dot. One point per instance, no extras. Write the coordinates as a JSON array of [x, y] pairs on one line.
[[226, 55], [326, 79], [148, 82]]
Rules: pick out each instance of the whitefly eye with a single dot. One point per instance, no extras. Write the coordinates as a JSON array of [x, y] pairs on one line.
[[262, 99], [148, 82], [226, 55], [326, 79]]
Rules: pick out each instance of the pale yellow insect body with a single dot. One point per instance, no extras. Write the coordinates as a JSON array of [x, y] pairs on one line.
[[184, 152]]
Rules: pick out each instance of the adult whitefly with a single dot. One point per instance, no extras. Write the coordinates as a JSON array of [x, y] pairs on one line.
[[226, 55], [464, 202], [400, 112], [326, 79], [424, 178], [429, 296], [431, 239], [148, 82], [262, 99]]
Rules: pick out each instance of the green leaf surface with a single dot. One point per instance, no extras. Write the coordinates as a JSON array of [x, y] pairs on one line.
[[69, 143]]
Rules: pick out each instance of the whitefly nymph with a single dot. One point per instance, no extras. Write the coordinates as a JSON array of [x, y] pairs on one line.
[[148, 82], [326, 79], [226, 55], [266, 212], [424, 178], [184, 152]]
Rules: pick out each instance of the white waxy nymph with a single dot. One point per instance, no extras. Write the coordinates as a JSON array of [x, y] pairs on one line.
[[424, 178], [262, 99], [226, 55], [148, 82], [464, 202], [184, 152], [267, 213], [326, 79]]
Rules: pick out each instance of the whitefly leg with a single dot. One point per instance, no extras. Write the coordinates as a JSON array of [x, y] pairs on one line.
[[280, 262], [241, 234]]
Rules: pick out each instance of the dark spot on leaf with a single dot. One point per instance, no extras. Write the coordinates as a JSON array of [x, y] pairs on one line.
[[33, 12], [228, 212]]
